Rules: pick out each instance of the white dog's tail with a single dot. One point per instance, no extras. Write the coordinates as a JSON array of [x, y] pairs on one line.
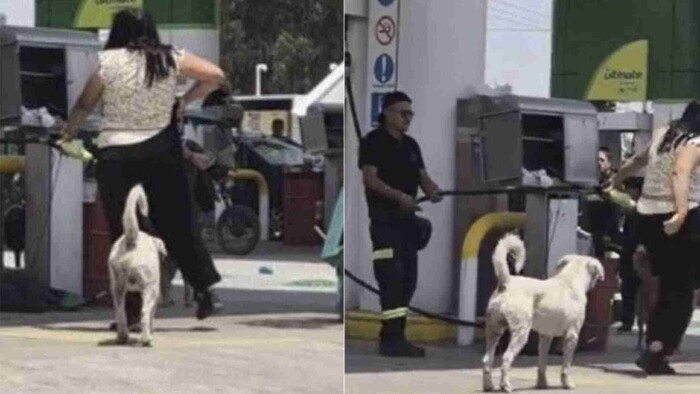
[[509, 244], [135, 199]]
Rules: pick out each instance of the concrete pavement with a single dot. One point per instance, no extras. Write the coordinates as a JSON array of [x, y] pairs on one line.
[[278, 333], [452, 369]]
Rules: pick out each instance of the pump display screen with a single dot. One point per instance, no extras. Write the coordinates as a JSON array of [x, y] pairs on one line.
[[543, 144], [43, 79], [501, 157]]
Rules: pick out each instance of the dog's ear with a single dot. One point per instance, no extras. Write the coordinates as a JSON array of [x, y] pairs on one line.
[[561, 264], [595, 269], [162, 252]]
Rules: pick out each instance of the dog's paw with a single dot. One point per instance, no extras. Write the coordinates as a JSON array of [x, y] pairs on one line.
[[487, 382], [542, 382], [146, 338], [506, 387], [567, 383], [122, 339]]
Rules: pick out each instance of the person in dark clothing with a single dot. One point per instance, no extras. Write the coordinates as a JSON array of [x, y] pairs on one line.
[[278, 133], [630, 241], [670, 230], [393, 170], [605, 215], [139, 142], [605, 168], [278, 128]]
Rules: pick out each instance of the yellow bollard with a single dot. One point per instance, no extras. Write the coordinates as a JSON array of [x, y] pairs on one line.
[[10, 164], [469, 264], [263, 196]]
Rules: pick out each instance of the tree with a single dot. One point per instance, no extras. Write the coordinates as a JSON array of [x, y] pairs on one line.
[[298, 39], [292, 58]]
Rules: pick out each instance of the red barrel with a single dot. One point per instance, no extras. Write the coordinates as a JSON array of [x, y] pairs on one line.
[[302, 194], [96, 245], [595, 331]]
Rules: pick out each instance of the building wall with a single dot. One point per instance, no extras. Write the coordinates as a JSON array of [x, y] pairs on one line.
[[201, 42], [177, 13], [441, 57], [355, 232], [17, 13], [586, 32], [188, 24]]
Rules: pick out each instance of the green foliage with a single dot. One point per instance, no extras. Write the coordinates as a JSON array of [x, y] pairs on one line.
[[297, 39], [291, 63]]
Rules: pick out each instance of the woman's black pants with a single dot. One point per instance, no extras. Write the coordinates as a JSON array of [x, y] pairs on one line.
[[675, 262], [157, 164]]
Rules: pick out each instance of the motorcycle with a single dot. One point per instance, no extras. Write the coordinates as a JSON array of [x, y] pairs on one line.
[[237, 228]]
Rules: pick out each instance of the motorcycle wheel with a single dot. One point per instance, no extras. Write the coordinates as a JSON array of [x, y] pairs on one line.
[[238, 230]]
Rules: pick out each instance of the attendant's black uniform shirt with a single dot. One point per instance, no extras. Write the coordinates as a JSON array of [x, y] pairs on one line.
[[398, 164]]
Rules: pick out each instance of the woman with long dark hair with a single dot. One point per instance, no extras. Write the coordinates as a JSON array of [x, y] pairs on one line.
[[139, 142], [670, 230]]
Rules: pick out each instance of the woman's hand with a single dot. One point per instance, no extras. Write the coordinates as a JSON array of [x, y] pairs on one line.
[[687, 159], [66, 136], [81, 110], [614, 182], [180, 114], [672, 225]]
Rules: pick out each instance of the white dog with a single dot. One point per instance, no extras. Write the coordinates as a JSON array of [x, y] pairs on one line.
[[134, 265], [552, 307]]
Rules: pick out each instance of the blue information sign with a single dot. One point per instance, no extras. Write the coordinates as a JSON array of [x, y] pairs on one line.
[[384, 68]]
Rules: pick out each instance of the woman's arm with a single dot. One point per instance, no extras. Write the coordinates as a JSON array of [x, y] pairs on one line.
[[687, 158], [630, 167], [83, 107], [208, 75]]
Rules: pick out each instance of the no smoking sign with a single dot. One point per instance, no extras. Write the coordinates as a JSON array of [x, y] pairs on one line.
[[385, 30], [383, 24]]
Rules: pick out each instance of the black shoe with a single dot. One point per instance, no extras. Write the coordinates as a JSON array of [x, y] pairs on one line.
[[654, 364], [416, 349], [133, 327], [206, 304], [665, 368], [401, 348], [625, 328], [648, 361]]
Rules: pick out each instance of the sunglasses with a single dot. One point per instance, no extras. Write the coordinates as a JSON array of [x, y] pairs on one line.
[[404, 112]]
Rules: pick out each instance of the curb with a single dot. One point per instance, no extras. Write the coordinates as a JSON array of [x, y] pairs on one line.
[[365, 325]]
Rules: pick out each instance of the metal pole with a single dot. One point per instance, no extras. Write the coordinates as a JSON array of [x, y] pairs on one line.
[[259, 68]]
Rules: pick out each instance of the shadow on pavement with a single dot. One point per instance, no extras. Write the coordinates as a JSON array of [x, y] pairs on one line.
[[305, 323], [635, 373], [362, 357], [273, 251], [237, 302], [106, 328], [131, 342]]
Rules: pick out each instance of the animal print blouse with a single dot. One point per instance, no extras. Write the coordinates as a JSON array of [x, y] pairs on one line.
[[133, 112], [657, 192]]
